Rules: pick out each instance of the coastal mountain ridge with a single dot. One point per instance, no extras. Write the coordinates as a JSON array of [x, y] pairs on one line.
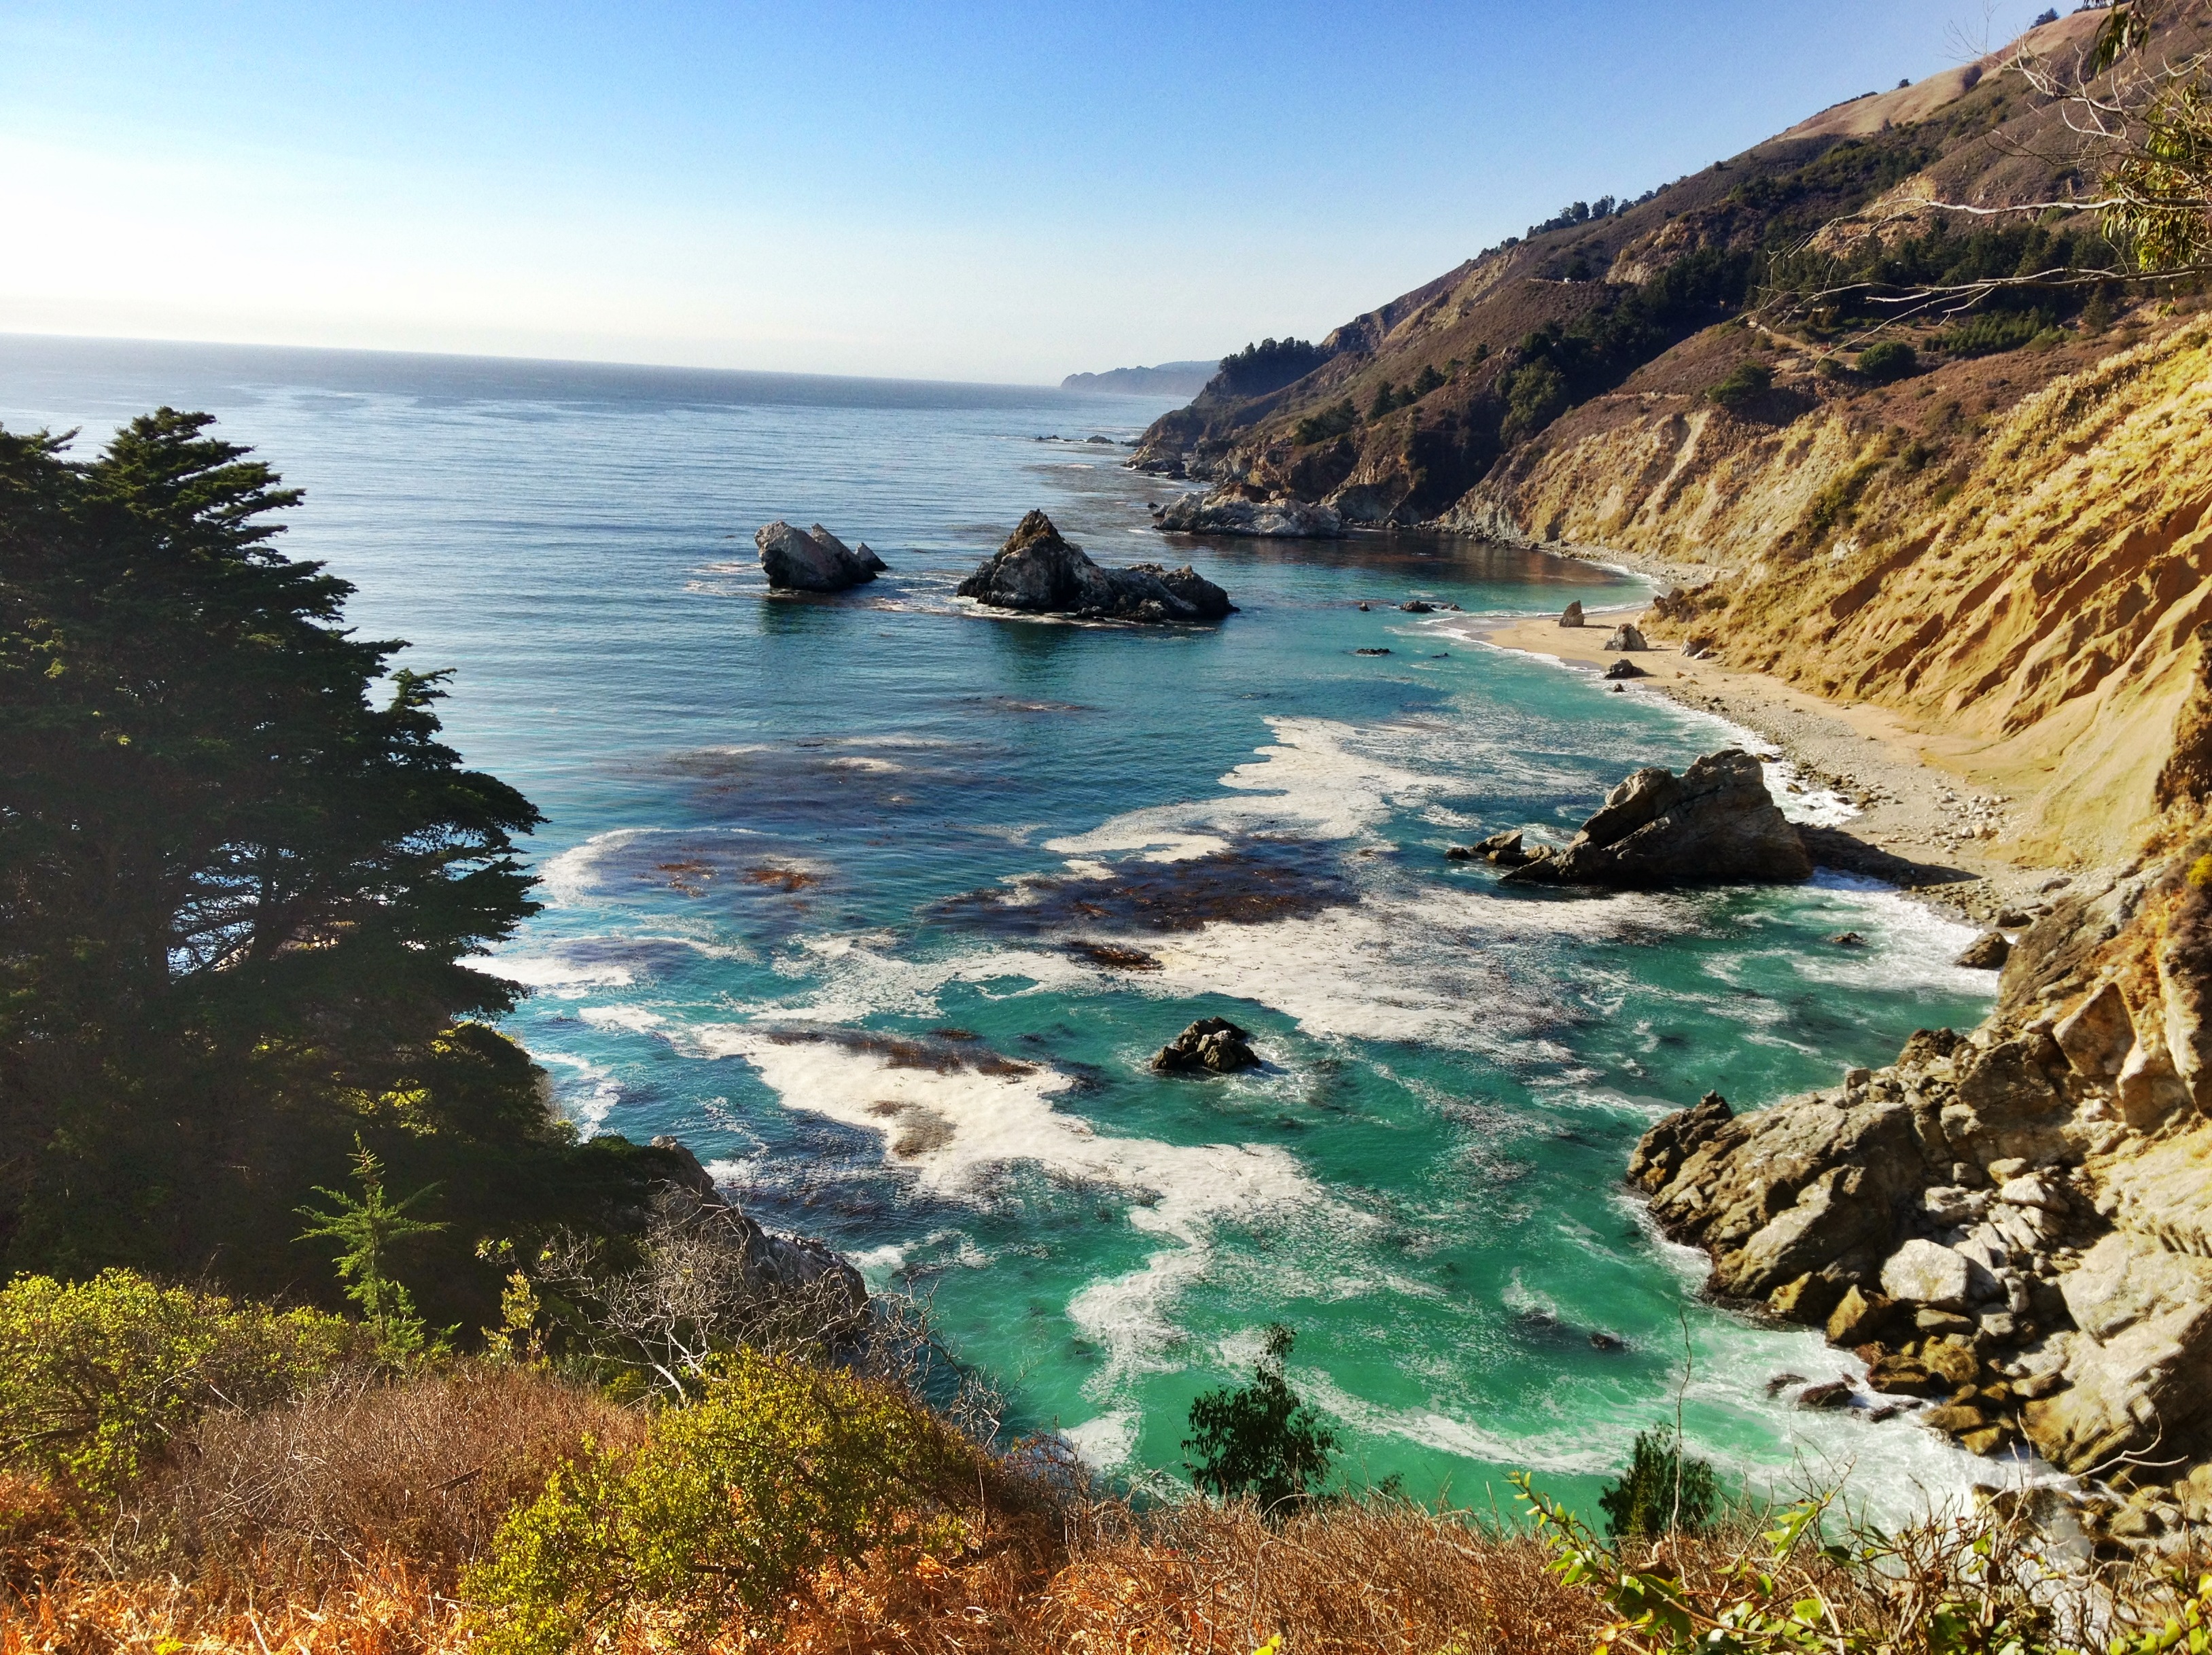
[[1164, 378]]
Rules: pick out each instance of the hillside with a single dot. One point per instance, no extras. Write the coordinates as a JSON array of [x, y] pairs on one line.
[[2001, 543]]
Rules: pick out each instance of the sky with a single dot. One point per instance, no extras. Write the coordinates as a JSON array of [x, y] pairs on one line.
[[974, 192]]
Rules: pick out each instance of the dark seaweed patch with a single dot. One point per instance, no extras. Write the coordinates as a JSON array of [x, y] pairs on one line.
[[1252, 882], [906, 1051]]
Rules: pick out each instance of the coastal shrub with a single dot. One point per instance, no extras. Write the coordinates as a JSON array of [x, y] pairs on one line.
[[1745, 382], [1333, 421], [777, 1470], [1535, 395], [102, 1373], [1664, 1491], [1387, 400], [1888, 359], [1991, 331], [1427, 379], [1260, 1440]]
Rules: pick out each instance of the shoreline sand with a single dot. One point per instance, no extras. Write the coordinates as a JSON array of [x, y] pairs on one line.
[[1922, 827]]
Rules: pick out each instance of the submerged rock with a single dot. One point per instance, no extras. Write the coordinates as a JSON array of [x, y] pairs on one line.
[[1041, 574], [1716, 824], [1210, 1045], [1226, 512], [813, 560]]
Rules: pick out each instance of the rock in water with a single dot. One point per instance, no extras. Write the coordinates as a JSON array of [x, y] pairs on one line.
[[813, 561], [1714, 824], [1572, 614], [1987, 953], [1625, 636], [1037, 572], [1212, 1045], [1225, 512]]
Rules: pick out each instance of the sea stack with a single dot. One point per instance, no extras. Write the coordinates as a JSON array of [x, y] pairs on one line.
[[1716, 824], [1039, 573], [813, 560]]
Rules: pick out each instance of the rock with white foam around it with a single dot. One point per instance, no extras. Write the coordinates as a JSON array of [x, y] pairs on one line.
[[1212, 1045], [1716, 824]]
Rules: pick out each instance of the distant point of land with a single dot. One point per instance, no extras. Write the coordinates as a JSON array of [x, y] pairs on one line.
[[1168, 379]]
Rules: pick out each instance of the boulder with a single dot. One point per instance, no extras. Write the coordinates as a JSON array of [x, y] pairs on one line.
[[1626, 669], [811, 561], [1416, 606], [1625, 636], [1921, 1273], [2098, 1033], [1211, 1045], [1987, 953], [1039, 573], [1227, 512], [1572, 614], [1716, 824], [1861, 1317]]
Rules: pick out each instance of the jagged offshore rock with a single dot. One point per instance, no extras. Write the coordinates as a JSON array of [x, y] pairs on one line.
[[1225, 511], [813, 560], [1716, 824], [1210, 1045], [1041, 574]]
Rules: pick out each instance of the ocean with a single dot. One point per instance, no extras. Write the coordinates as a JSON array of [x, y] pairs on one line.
[[883, 904]]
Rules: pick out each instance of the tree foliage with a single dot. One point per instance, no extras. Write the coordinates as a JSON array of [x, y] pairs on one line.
[[1260, 1439], [1665, 1490], [242, 882], [1267, 366]]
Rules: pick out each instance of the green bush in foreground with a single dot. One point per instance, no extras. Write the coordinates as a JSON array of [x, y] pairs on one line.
[[778, 1469], [1664, 1491], [101, 1373]]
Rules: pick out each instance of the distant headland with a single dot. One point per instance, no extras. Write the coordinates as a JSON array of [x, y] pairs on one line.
[[1168, 379]]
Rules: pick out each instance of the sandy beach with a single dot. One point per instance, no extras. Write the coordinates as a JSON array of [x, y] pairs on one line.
[[1921, 825]]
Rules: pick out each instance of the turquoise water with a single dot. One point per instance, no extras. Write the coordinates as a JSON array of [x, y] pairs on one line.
[[883, 904]]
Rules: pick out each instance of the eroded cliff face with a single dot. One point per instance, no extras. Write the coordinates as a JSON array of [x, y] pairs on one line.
[[2033, 597], [2012, 1228]]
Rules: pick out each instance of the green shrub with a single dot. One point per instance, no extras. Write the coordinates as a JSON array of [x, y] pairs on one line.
[[1387, 400], [778, 1469], [1535, 395], [1333, 421], [1427, 380], [1745, 382], [1888, 359], [1664, 1491], [101, 1373], [1260, 1439], [1991, 331]]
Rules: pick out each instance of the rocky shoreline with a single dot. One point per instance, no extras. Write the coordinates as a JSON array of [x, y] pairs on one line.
[[2010, 1228]]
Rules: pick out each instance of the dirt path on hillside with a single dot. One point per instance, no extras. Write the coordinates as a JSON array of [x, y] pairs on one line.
[[1922, 827]]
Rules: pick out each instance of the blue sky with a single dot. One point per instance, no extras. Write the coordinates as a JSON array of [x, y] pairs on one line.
[[972, 192]]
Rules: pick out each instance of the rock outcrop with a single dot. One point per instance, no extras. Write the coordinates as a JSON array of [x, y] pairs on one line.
[[771, 1266], [1625, 636], [1039, 574], [1227, 511], [1212, 1045], [2016, 1224], [1572, 614], [813, 560], [1716, 824]]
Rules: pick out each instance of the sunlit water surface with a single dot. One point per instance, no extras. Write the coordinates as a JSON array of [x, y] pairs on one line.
[[884, 905]]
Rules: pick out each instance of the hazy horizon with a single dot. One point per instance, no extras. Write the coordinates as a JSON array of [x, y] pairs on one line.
[[989, 196]]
